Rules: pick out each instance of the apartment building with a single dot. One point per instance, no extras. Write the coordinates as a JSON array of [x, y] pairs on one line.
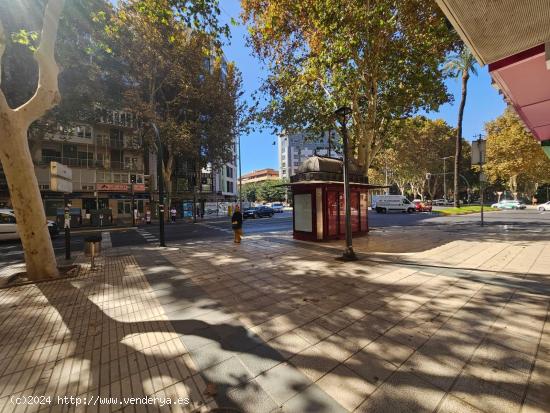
[[296, 148], [260, 175], [105, 157], [111, 168]]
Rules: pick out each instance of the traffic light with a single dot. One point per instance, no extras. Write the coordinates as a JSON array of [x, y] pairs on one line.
[[147, 182], [133, 179]]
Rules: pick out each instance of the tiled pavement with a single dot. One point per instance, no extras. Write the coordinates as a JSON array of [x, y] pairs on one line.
[[273, 325], [96, 336]]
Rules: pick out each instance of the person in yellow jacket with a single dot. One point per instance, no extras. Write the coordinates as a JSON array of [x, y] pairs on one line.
[[237, 224]]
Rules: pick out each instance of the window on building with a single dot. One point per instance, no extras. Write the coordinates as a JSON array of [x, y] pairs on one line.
[[83, 131], [120, 178], [229, 171], [50, 154], [229, 186], [69, 151]]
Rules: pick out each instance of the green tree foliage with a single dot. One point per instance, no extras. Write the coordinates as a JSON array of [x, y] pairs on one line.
[[413, 151], [88, 73], [383, 58], [249, 192], [271, 191], [178, 79], [514, 157]]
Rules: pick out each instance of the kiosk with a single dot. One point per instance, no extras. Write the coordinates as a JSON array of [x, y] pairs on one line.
[[318, 200]]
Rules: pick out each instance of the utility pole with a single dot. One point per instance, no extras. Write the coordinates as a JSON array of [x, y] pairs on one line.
[[349, 254]]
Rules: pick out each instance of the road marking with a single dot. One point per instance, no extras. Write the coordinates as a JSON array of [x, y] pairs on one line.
[[106, 240], [147, 235], [227, 231]]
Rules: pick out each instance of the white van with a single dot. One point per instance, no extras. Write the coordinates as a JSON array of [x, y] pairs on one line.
[[388, 203]]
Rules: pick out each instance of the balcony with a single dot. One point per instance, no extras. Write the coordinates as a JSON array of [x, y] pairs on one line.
[[116, 118], [91, 164], [133, 144]]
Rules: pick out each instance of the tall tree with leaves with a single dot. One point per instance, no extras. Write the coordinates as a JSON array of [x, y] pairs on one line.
[[383, 58], [460, 66], [178, 79], [514, 156]]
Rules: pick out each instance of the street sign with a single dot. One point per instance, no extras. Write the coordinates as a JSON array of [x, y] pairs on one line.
[[478, 151], [61, 178], [483, 177]]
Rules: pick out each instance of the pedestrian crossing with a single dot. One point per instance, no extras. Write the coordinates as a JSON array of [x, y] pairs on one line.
[[11, 250], [147, 235], [226, 230], [106, 240]]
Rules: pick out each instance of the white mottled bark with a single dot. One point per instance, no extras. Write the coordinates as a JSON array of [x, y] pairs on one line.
[[16, 157]]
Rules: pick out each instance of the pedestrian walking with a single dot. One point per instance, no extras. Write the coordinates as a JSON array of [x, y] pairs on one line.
[[148, 215], [173, 213], [237, 224]]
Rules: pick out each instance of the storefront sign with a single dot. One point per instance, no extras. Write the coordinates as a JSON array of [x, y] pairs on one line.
[[109, 187]]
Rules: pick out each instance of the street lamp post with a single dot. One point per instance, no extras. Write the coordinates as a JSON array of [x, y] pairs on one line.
[[342, 113], [478, 154], [160, 183], [445, 176], [240, 179]]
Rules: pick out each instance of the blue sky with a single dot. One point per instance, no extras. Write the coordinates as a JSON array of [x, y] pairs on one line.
[[483, 101]]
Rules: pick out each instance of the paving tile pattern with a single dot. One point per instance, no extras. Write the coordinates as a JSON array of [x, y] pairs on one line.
[[100, 334], [274, 325], [460, 327]]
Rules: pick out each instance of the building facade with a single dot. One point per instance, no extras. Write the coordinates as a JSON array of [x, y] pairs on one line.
[[109, 167], [296, 148], [260, 175], [112, 170]]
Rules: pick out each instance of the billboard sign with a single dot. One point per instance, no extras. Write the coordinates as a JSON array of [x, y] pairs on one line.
[[61, 178]]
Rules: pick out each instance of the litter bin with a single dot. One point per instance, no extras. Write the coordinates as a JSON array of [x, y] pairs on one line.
[[92, 246]]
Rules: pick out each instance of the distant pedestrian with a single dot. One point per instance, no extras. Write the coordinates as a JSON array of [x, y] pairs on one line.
[[148, 215], [173, 214], [136, 216], [237, 224]]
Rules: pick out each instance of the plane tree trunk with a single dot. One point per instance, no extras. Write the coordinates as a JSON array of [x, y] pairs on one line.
[[16, 157]]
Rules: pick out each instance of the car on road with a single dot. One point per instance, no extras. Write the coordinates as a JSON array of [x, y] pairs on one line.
[[8, 226], [422, 206], [509, 204], [277, 207], [258, 212], [443, 202], [544, 207]]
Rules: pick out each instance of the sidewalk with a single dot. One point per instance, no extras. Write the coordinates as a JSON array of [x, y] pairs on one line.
[[445, 322]]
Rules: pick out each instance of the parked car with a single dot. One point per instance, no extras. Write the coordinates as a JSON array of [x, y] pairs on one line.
[[258, 212], [277, 206], [8, 226], [422, 206], [388, 203], [544, 207], [509, 204], [443, 202]]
